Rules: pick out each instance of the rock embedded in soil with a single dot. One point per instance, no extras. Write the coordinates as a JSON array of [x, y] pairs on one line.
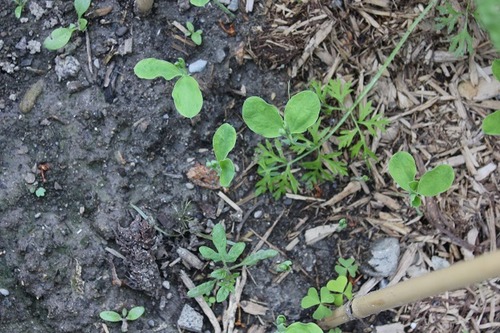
[[29, 98], [197, 66], [4, 292], [190, 320], [233, 6], [66, 67], [384, 257]]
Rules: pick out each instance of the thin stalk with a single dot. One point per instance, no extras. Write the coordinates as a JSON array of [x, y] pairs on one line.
[[224, 9]]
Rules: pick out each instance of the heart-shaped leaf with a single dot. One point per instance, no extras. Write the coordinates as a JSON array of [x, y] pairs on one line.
[[302, 111], [326, 296], [338, 285], [435, 181], [187, 97], [262, 118], [311, 299], [151, 68], [303, 328], [322, 312], [58, 39], [402, 168]]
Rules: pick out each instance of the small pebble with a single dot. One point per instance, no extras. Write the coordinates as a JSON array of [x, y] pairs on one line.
[[37, 215], [121, 31], [197, 66], [233, 6], [257, 214], [189, 186], [166, 285], [57, 187], [220, 55], [439, 263], [190, 320], [151, 323], [170, 295], [29, 178], [287, 201], [4, 292], [66, 67]]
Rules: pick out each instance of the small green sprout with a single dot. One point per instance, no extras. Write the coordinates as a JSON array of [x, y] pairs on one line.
[[403, 170], [114, 317], [187, 95], [194, 34], [223, 142], [347, 266], [61, 36], [285, 266], [19, 7], [281, 327], [340, 287], [321, 301], [448, 18], [224, 278], [40, 192], [342, 224]]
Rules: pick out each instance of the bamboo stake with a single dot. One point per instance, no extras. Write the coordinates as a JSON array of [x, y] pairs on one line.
[[454, 277]]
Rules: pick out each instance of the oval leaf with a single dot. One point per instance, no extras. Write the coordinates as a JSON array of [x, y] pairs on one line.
[[491, 124], [223, 141], [303, 328], [110, 316], [219, 239], [187, 96], [135, 313], [199, 3], [151, 68], [262, 118], [209, 254], [311, 299], [495, 68], [302, 111], [402, 169], [81, 7], [58, 38], [254, 258], [435, 181], [222, 294], [227, 172], [202, 289]]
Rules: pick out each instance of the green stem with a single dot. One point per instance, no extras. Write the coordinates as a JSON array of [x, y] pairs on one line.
[[225, 10]]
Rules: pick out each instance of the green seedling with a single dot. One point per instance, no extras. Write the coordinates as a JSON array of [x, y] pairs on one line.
[[340, 288], [321, 300], [126, 316], [486, 14], [281, 327], [194, 34], [187, 95], [61, 36], [491, 124], [19, 7], [342, 224], [40, 192], [223, 142], [449, 18], [224, 278], [403, 170], [347, 266], [285, 266]]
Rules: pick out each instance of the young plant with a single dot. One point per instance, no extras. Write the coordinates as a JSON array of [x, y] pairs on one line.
[[285, 266], [40, 192], [224, 278], [187, 95], [19, 7], [321, 300], [194, 34], [341, 288], [61, 36], [347, 266], [449, 18], [223, 142], [403, 170], [281, 327], [126, 316]]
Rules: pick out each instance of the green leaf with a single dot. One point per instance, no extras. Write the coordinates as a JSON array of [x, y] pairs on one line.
[[18, 11], [209, 254], [202, 289], [81, 7], [190, 26], [199, 3], [135, 313], [222, 294], [235, 251], [302, 111], [415, 200], [491, 124], [187, 96], [227, 172], [224, 141], [40, 192], [262, 118], [219, 239], [82, 24], [196, 37], [326, 296], [402, 168], [311, 299], [254, 258], [338, 285], [435, 181], [322, 312], [58, 38], [303, 328], [110, 316], [151, 68], [219, 274], [495, 68]]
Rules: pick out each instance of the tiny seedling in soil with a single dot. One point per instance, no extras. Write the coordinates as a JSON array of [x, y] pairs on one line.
[[346, 266], [491, 124], [61, 36], [19, 7], [281, 327], [223, 142], [187, 95], [126, 316], [194, 34], [224, 278], [285, 266], [342, 224], [450, 18], [403, 170], [40, 192]]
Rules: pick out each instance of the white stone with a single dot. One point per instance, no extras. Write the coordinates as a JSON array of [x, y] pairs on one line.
[[197, 66]]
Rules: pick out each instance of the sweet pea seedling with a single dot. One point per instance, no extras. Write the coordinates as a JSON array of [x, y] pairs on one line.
[[194, 34], [114, 317], [223, 277], [61, 36], [403, 170], [223, 142], [187, 95]]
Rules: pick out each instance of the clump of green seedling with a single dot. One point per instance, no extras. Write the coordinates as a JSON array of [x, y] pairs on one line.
[[452, 19], [19, 7], [61, 36], [403, 170], [223, 279], [40, 192], [285, 266], [491, 124], [223, 142], [194, 34], [347, 267], [187, 95], [126, 316]]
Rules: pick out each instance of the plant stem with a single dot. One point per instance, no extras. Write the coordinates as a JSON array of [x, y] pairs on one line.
[[224, 9]]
